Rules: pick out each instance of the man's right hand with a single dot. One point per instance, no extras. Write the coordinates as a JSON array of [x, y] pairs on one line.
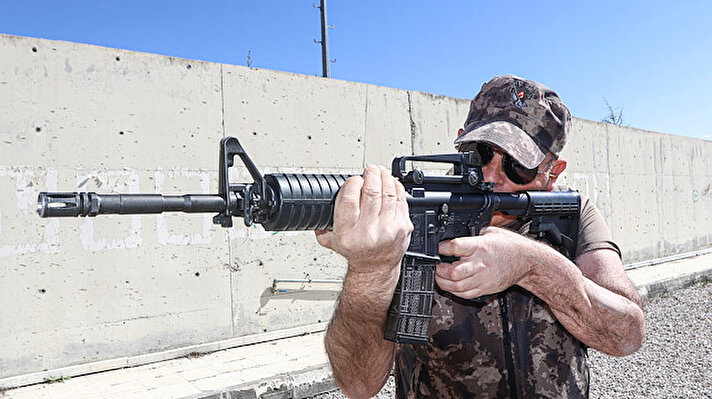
[[371, 222], [372, 231]]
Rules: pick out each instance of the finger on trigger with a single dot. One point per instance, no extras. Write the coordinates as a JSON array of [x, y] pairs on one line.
[[461, 246]]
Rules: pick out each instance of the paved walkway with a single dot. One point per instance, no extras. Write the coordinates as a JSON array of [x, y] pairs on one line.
[[286, 368]]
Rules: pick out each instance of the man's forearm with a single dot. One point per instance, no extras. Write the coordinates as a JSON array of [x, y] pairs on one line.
[[360, 358], [605, 320]]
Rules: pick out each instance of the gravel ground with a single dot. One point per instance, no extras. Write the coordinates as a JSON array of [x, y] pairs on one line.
[[674, 362], [676, 358]]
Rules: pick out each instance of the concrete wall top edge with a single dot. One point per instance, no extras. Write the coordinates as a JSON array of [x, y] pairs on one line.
[[637, 130], [430, 95], [49, 42], [190, 60], [439, 97]]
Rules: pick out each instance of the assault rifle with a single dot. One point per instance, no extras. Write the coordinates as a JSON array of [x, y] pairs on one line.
[[441, 208]]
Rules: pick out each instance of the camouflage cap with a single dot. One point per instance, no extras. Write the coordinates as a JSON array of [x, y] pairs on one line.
[[524, 118]]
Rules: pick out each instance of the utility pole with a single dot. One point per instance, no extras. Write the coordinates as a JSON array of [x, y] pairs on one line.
[[324, 40]]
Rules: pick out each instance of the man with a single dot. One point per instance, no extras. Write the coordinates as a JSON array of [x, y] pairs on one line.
[[528, 340]]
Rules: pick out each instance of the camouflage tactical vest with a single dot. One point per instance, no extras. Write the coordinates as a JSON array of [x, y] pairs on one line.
[[509, 346]]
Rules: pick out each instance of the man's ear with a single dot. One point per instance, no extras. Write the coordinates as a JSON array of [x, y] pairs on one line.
[[557, 167]]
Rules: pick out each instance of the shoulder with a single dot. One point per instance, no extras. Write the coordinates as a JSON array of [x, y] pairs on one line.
[[593, 231]]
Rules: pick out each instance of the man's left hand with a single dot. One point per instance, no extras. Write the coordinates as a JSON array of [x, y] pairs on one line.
[[489, 263]]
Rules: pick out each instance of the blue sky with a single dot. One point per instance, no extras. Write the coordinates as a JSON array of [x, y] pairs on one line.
[[651, 58]]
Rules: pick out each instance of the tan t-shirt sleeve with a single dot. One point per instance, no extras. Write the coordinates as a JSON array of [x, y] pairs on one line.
[[593, 230]]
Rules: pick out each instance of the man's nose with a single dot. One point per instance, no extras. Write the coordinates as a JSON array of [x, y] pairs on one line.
[[493, 172]]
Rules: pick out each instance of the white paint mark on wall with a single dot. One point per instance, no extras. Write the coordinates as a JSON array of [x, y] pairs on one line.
[[165, 235], [254, 232], [26, 182], [51, 230], [86, 229]]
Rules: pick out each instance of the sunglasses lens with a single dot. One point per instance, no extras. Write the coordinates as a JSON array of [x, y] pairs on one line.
[[486, 153], [516, 172]]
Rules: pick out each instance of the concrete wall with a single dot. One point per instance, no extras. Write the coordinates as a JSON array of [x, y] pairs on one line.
[[654, 189], [84, 118]]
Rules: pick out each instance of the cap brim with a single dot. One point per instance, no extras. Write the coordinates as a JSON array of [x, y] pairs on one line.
[[515, 141]]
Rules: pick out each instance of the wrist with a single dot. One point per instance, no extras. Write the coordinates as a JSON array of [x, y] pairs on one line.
[[367, 295], [524, 255], [542, 268], [374, 271], [369, 279]]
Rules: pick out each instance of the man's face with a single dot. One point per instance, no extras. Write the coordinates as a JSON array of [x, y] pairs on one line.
[[494, 172]]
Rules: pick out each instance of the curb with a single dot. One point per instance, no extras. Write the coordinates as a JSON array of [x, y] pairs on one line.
[[652, 290], [303, 384]]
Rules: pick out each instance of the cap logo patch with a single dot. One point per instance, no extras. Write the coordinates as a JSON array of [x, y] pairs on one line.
[[520, 93]]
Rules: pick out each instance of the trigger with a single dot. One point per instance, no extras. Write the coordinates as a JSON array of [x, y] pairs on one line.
[[449, 259]]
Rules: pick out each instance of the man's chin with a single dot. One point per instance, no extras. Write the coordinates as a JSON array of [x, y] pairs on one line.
[[500, 220]]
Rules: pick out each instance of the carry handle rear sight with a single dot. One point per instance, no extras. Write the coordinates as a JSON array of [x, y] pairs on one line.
[[466, 171]]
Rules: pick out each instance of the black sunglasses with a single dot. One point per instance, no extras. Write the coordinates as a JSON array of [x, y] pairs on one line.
[[515, 171]]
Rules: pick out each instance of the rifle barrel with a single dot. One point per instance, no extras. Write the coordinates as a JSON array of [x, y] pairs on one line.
[[91, 204]]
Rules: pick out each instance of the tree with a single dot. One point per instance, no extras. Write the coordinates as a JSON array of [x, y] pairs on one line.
[[614, 116]]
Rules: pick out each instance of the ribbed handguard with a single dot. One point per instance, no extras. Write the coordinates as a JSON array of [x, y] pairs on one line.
[[302, 201]]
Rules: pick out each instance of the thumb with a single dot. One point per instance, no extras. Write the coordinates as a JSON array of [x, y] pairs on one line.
[[323, 237]]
